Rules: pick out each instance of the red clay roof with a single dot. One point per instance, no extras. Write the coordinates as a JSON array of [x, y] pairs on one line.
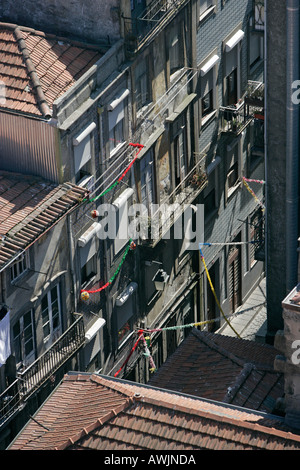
[[37, 68], [223, 368], [89, 411], [30, 205]]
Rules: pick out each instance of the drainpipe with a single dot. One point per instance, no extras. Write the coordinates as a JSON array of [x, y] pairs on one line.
[[292, 143], [72, 267]]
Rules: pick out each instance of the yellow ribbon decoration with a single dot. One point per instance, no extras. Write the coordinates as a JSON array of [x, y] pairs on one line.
[[253, 194], [215, 296]]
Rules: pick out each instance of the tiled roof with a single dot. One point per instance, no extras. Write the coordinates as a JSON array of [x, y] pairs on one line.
[[29, 206], [223, 368], [89, 411], [37, 68]]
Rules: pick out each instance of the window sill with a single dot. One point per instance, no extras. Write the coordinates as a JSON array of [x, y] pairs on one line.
[[176, 75], [209, 12], [117, 149], [207, 119], [233, 190]]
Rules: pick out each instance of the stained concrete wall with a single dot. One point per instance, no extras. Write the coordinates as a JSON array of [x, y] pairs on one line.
[[91, 20]]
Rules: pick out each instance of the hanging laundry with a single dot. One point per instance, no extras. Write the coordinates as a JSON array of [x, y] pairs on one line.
[[5, 350]]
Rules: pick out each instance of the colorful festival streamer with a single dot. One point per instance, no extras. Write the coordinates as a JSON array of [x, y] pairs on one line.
[[253, 194], [254, 181], [131, 352], [139, 146], [85, 293], [214, 293]]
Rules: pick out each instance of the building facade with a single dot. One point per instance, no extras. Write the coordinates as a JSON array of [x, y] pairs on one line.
[[158, 120]]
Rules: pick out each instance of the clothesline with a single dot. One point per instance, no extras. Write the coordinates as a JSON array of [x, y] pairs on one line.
[[85, 292], [139, 146]]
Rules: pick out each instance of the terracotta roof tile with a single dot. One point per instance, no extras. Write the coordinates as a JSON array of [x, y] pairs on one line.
[[57, 63], [30, 205], [223, 368], [96, 412]]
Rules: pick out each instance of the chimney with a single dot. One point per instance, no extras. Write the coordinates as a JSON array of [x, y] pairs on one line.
[[288, 342]]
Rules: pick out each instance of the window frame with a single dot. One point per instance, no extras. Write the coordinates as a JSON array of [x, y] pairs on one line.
[[53, 330], [175, 53], [208, 86], [22, 339], [142, 80], [21, 265], [208, 11]]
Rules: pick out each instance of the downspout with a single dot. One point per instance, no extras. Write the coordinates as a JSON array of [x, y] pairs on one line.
[[292, 143], [72, 266]]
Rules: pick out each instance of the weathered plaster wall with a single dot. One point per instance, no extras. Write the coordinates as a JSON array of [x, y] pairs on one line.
[[91, 20]]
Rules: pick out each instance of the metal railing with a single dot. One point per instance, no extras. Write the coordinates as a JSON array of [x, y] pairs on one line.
[[31, 379], [173, 206], [149, 23], [235, 117]]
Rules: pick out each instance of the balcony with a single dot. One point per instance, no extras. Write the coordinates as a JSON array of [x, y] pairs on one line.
[[28, 382], [236, 117], [176, 202], [138, 31]]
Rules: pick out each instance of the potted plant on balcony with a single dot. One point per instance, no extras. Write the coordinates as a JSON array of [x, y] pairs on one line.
[[198, 178]]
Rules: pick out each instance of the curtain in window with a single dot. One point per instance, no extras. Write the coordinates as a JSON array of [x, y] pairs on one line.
[[5, 350]]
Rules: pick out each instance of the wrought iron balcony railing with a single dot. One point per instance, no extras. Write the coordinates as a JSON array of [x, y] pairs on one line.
[[30, 380], [234, 118], [139, 30], [173, 206]]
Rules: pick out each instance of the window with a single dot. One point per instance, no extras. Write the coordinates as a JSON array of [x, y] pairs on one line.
[[232, 50], [83, 152], [116, 121], [232, 178], [231, 87], [146, 172], [121, 205], [233, 161], [89, 270], [116, 135], [51, 313], [256, 50], [20, 266], [207, 103], [175, 50], [209, 203], [208, 85], [180, 163], [205, 5], [142, 95], [23, 339], [125, 312], [255, 234]]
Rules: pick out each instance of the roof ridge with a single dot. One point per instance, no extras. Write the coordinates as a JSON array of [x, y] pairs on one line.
[[202, 336], [116, 386], [41, 99], [187, 408], [254, 426]]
